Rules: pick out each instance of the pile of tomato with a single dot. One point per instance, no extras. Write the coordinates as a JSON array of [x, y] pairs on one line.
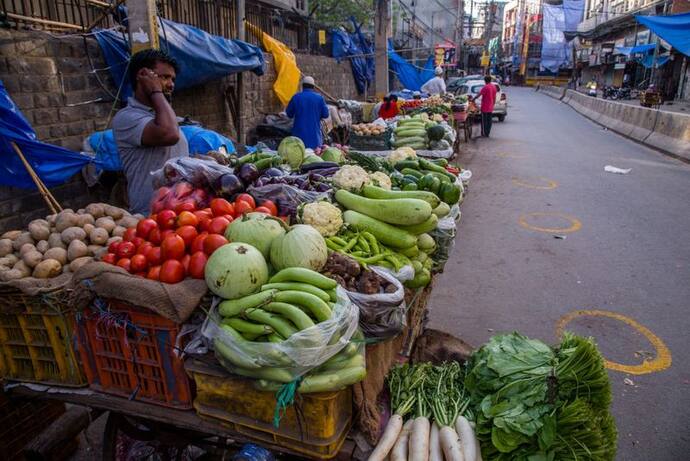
[[169, 246]]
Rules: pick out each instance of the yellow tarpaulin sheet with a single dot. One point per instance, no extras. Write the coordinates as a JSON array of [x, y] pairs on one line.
[[288, 74]]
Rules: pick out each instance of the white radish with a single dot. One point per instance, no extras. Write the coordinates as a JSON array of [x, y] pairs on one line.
[[418, 449], [399, 452], [390, 435], [467, 438], [435, 453], [450, 443], [479, 449]]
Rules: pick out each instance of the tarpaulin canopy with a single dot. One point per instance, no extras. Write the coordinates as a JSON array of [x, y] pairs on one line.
[[358, 50], [409, 75], [675, 29], [53, 164], [200, 140], [629, 50], [554, 48], [287, 72], [202, 57], [574, 10], [648, 61]]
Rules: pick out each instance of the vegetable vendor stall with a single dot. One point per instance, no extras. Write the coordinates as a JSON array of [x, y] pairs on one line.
[[264, 299]]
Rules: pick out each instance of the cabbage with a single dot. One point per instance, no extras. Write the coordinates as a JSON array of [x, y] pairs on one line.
[[291, 149], [333, 154], [302, 246], [256, 229]]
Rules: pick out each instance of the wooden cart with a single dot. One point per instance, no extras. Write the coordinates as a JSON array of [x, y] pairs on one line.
[[650, 98]]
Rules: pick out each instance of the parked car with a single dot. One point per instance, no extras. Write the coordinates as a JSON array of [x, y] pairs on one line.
[[473, 87]]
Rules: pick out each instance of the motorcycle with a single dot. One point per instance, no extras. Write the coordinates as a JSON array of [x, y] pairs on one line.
[[609, 92]]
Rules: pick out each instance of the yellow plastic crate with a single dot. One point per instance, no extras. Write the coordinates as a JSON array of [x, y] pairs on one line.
[[315, 426], [36, 345]]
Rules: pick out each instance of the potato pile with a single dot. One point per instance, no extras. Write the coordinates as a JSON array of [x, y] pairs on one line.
[[62, 242], [368, 129]]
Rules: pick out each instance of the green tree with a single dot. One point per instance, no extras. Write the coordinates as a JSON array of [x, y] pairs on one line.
[[334, 13]]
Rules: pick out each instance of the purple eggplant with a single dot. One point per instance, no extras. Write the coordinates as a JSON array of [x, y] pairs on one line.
[[323, 187], [317, 166], [274, 172], [249, 173], [229, 185]]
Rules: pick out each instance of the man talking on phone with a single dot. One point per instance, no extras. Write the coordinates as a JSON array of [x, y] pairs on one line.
[[146, 130]]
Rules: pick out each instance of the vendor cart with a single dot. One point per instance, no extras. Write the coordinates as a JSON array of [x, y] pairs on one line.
[[651, 98]]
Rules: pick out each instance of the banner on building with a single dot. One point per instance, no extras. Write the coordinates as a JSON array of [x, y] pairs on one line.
[[554, 49]]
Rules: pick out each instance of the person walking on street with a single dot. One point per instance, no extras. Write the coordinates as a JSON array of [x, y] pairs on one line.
[[146, 131], [488, 96], [436, 85], [308, 108]]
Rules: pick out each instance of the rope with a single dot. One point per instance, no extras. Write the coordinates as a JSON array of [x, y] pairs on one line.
[[285, 397]]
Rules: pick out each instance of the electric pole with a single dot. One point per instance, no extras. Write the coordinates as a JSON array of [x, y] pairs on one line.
[[381, 31], [143, 25]]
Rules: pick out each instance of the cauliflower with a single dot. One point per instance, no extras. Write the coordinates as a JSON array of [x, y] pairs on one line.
[[323, 216], [401, 153], [351, 177], [381, 179]]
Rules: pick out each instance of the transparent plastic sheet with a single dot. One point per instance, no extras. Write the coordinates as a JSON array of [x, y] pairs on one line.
[[287, 198], [404, 274], [201, 173], [289, 359], [170, 197], [381, 315]]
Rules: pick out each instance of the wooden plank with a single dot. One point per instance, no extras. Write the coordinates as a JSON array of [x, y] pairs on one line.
[[46, 22]]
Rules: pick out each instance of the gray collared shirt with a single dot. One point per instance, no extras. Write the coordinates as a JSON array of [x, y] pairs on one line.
[[139, 161]]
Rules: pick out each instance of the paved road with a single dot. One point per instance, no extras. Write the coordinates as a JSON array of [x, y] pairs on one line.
[[630, 256]]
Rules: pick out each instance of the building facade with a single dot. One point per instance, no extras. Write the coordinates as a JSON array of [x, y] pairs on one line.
[[521, 39]]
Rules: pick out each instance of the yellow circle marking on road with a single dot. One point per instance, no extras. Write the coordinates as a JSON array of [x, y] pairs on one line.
[[509, 155], [548, 186], [575, 224], [663, 355]]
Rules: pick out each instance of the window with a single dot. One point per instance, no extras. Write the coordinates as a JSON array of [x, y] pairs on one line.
[[477, 88]]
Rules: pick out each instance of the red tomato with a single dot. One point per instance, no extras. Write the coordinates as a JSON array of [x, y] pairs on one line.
[[110, 258], [242, 208], [263, 209], [218, 225], [145, 227], [126, 250], [199, 196], [154, 273], [198, 243], [137, 241], [155, 236], [159, 199], [112, 248], [220, 207], [187, 218], [230, 218], [197, 265], [139, 263], [154, 216], [205, 224], [271, 206], [201, 214], [188, 234], [185, 205], [185, 262], [130, 234], [213, 242], [172, 247], [166, 219], [144, 248], [154, 256], [172, 271], [246, 198], [165, 233], [125, 263]]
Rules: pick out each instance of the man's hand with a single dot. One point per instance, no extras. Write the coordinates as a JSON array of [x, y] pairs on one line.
[[149, 81]]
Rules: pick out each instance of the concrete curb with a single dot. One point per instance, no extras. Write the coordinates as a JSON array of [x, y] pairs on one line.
[[665, 131]]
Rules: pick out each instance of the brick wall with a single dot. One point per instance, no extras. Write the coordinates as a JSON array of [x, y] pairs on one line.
[[50, 78]]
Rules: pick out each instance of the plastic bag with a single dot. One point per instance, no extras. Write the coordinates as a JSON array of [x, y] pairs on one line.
[[444, 236], [177, 196], [404, 274], [287, 198], [381, 315], [289, 359], [200, 172]]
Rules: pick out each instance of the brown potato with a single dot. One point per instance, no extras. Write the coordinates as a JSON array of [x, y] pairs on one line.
[[99, 236], [32, 258], [6, 247], [43, 246], [106, 223], [58, 254], [24, 238], [55, 241], [79, 262], [72, 233], [12, 235], [97, 210], [47, 269], [77, 249]]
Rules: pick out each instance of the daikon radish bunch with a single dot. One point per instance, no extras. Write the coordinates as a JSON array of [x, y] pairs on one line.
[[448, 401]]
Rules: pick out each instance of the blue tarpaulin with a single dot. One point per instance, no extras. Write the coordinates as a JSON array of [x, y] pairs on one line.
[[201, 57], [411, 77], [629, 50], [358, 49], [200, 141], [574, 10], [53, 164], [675, 29], [554, 47], [648, 60]]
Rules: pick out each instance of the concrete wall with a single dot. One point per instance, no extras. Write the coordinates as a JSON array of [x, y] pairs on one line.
[[50, 79], [665, 131]]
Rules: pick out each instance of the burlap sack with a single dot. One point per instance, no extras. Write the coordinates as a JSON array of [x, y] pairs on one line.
[[32, 286], [173, 301]]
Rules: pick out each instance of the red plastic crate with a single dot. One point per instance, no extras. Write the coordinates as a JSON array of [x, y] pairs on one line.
[[133, 352]]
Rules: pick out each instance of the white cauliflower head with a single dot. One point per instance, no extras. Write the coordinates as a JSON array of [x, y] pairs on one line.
[[401, 153], [323, 216], [350, 177], [381, 179]]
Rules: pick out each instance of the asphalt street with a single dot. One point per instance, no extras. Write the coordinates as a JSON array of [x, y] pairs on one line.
[[547, 237]]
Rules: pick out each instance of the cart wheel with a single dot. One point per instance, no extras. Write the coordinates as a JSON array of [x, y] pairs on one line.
[[468, 130]]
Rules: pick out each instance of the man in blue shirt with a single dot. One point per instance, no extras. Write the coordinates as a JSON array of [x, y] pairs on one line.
[[307, 108]]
